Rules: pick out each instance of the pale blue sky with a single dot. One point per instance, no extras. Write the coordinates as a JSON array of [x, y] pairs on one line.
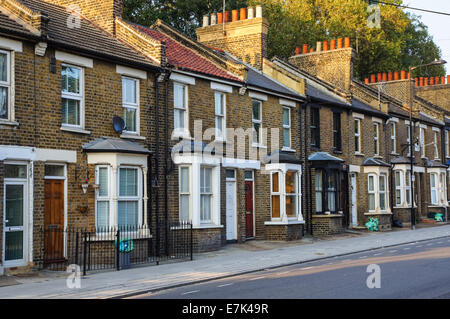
[[438, 25]]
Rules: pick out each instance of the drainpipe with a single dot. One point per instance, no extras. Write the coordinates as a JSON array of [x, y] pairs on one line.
[[155, 181], [166, 162], [307, 174]]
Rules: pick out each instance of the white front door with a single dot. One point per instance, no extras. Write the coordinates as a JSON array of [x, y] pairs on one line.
[[354, 201], [231, 206]]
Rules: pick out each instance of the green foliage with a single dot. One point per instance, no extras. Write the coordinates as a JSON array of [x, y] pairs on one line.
[[402, 41]]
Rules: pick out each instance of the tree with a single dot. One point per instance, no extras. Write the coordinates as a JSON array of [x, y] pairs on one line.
[[403, 40]]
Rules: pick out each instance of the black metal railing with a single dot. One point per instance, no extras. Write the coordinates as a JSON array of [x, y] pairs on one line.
[[111, 248]]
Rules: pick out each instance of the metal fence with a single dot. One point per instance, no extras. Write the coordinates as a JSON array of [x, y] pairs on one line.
[[112, 248]]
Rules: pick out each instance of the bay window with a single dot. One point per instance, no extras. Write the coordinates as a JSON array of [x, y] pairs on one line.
[[408, 187], [205, 194], [275, 195], [378, 192], [434, 188], [72, 95], [291, 193], [442, 189], [319, 190], [398, 188], [327, 190], [130, 103], [103, 197], [185, 194], [372, 192], [219, 100], [5, 84], [129, 199], [382, 191]]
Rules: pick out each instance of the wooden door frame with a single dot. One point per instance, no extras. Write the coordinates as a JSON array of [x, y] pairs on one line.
[[63, 178]]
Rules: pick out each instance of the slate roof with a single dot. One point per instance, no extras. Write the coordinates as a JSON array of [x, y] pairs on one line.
[[89, 38], [375, 162], [280, 156], [360, 106], [429, 163], [323, 95], [324, 157], [114, 145], [183, 58], [402, 160]]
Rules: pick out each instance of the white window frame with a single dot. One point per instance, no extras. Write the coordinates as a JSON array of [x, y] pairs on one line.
[[209, 194], [318, 190], [408, 139], [99, 198], [399, 188], [181, 131], [357, 122], [408, 181], [436, 145], [442, 188], [181, 193], [422, 142], [374, 191], [8, 84], [272, 193], [447, 143], [257, 121], [434, 189], [138, 198], [287, 126], [376, 139], [134, 106], [394, 137], [382, 193], [220, 132], [74, 96]]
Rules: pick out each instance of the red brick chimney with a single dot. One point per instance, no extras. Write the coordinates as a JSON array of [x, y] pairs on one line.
[[245, 38]]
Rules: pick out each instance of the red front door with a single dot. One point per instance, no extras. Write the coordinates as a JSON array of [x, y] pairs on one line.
[[249, 233]]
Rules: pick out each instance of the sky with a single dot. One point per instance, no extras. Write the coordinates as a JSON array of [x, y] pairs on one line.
[[438, 25]]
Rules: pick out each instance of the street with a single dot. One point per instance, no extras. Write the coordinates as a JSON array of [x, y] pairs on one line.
[[416, 270]]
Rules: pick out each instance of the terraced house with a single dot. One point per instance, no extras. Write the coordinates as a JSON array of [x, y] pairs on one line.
[[64, 78]]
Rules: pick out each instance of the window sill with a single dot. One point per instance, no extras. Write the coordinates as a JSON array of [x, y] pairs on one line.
[[360, 154], [259, 146], [378, 156], [395, 154], [288, 149], [289, 222], [375, 213], [8, 123], [337, 152], [75, 130], [132, 136], [207, 226]]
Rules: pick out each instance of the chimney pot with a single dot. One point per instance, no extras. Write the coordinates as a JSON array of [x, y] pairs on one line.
[[339, 43], [297, 51], [372, 78], [243, 14], [234, 15], [421, 81], [227, 16], [251, 13], [205, 21], [259, 13], [426, 82], [389, 76], [311, 50], [333, 44], [403, 74], [366, 80], [305, 48], [214, 18], [431, 81], [436, 80], [347, 42], [384, 77], [219, 17], [325, 45], [443, 80], [319, 46], [396, 75], [448, 79], [417, 82], [379, 77]]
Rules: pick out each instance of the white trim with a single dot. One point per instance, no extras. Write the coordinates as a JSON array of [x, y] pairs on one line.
[[74, 59], [436, 129], [394, 119], [358, 115], [10, 44], [133, 106], [43, 154], [354, 169], [240, 163], [210, 78], [135, 73], [182, 78], [422, 126], [377, 120], [23, 153], [258, 96], [73, 129], [76, 97], [221, 87], [290, 103]]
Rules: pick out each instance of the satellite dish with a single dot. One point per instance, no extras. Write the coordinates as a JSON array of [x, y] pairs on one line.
[[118, 124]]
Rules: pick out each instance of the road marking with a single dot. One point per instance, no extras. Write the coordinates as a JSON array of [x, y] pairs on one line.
[[362, 257], [256, 278], [306, 268], [406, 248], [190, 292], [284, 272], [429, 244], [377, 254], [420, 246], [440, 242], [224, 285], [393, 251]]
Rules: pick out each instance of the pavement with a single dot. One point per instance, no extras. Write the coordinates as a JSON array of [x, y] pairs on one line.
[[230, 261]]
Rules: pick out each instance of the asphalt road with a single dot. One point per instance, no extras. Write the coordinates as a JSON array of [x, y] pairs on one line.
[[416, 270]]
